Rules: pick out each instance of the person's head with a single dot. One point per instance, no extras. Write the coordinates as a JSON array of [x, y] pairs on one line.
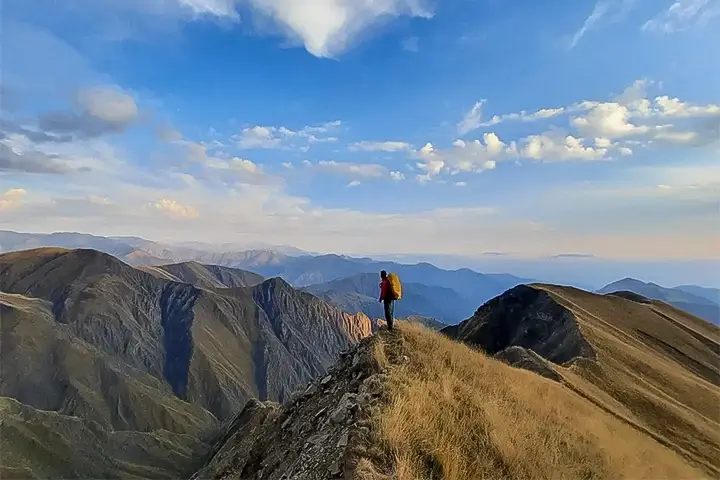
[[383, 274]]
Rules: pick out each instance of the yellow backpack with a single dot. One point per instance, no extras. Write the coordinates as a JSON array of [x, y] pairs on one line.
[[395, 286]]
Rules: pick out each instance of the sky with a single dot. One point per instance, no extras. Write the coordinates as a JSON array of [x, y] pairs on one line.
[[464, 127]]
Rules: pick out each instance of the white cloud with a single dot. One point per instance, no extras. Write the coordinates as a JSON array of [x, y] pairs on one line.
[[523, 116], [391, 146], [461, 184], [609, 120], [397, 176], [631, 118], [362, 170], [174, 209], [471, 156], [673, 107], [11, 199], [411, 44], [472, 119], [547, 147], [282, 137], [259, 137], [354, 183], [328, 27], [683, 14]]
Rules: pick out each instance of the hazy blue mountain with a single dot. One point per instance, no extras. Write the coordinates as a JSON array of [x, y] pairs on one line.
[[360, 293], [678, 297], [299, 271], [308, 270], [712, 294]]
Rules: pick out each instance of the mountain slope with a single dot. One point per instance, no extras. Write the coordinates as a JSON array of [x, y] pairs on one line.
[[679, 297], [45, 365], [712, 294], [205, 276], [86, 335], [651, 365], [413, 404], [43, 444], [360, 292]]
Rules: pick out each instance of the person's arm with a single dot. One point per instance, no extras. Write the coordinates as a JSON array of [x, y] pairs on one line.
[[383, 290]]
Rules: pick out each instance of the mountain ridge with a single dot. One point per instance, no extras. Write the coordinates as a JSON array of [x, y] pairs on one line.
[[698, 305], [649, 363], [85, 334]]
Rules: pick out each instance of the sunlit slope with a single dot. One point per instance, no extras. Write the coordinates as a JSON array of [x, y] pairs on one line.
[[658, 366], [454, 413], [653, 366]]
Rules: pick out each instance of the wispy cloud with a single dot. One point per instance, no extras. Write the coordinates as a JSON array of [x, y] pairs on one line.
[[390, 146], [683, 14], [285, 138], [599, 11], [472, 120], [604, 10]]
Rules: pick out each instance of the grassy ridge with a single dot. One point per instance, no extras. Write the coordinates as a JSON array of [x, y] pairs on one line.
[[454, 413]]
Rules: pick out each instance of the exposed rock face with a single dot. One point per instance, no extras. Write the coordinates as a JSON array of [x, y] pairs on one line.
[[520, 357], [526, 317], [317, 435]]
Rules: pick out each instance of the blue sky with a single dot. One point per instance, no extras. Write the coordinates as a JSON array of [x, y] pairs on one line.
[[366, 127]]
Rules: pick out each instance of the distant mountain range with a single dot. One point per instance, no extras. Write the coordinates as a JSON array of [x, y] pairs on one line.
[[125, 356], [700, 301], [447, 295]]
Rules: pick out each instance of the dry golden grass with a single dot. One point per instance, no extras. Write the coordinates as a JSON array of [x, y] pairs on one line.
[[454, 413]]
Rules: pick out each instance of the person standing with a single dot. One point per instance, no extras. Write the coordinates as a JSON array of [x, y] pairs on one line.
[[387, 298]]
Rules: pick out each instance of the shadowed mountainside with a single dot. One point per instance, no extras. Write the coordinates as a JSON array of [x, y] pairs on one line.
[[697, 301], [653, 366], [86, 335]]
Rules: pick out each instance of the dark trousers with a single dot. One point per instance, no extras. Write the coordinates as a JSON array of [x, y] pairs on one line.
[[389, 312]]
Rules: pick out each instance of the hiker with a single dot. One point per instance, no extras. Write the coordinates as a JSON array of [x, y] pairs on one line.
[[387, 298]]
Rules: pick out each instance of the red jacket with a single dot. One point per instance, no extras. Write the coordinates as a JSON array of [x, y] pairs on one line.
[[385, 289]]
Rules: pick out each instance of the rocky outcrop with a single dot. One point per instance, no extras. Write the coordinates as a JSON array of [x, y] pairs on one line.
[[525, 316], [319, 434], [520, 357]]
